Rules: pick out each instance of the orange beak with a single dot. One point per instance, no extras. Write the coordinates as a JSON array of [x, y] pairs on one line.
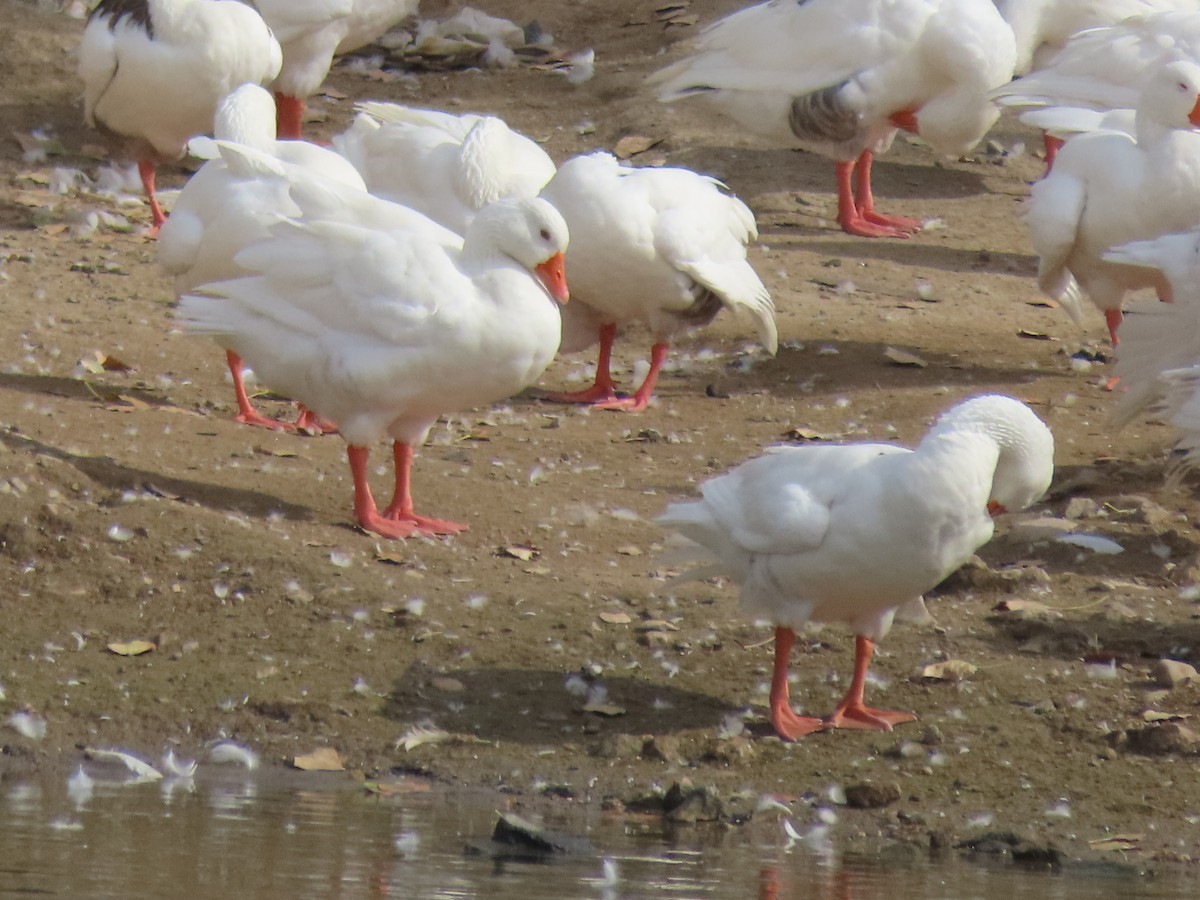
[[552, 273], [995, 509], [1194, 115]]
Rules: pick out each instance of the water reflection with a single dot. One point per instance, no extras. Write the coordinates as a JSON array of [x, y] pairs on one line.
[[229, 834]]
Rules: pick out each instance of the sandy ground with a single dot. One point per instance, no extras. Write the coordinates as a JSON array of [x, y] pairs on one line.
[[134, 509]]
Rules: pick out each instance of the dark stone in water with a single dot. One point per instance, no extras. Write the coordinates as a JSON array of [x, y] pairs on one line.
[[871, 796], [1017, 848], [518, 838]]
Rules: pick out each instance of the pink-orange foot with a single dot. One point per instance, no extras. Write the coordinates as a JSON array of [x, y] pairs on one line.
[[423, 524], [864, 718], [636, 403], [258, 420], [900, 223], [596, 394], [852, 712], [389, 528], [792, 727], [308, 422], [856, 203], [857, 225]]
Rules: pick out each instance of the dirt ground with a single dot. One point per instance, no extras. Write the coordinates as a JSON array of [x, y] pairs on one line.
[[134, 509]]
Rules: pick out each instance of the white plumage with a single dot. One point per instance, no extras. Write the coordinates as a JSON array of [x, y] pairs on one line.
[[233, 200], [1109, 188], [665, 247], [840, 76], [1159, 364], [1042, 28], [382, 330], [1093, 82], [849, 533], [312, 33], [448, 167], [154, 71]]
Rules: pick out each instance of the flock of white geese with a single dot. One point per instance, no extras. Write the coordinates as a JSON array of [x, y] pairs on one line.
[[421, 266]]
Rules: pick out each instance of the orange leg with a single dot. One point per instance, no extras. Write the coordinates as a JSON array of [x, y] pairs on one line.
[[146, 169], [247, 414], [1113, 318], [851, 215], [864, 200], [786, 723], [401, 508], [289, 117], [366, 513], [851, 712], [641, 398], [602, 389]]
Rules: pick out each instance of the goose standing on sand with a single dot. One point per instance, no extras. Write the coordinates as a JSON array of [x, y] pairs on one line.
[[154, 71], [312, 33], [840, 77], [1110, 188], [381, 331], [661, 246], [230, 203], [849, 533], [446, 166]]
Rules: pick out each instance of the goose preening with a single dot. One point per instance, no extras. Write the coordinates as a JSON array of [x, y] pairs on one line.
[[848, 533], [446, 166], [840, 77], [380, 330], [662, 246], [154, 71], [312, 33], [1109, 188]]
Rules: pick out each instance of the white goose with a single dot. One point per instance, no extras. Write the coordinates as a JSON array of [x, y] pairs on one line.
[[1094, 80], [1042, 28], [661, 246], [230, 203], [849, 533], [841, 76], [382, 331], [1109, 188], [448, 167], [154, 71], [1159, 365], [312, 33]]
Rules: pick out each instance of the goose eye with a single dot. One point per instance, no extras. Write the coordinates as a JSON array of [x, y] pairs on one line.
[[1182, 86], [544, 234]]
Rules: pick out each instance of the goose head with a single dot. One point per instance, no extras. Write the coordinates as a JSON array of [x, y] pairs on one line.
[[246, 116], [1172, 97], [1025, 464], [529, 231]]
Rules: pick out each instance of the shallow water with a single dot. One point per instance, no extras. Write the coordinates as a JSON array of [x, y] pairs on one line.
[[237, 836]]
